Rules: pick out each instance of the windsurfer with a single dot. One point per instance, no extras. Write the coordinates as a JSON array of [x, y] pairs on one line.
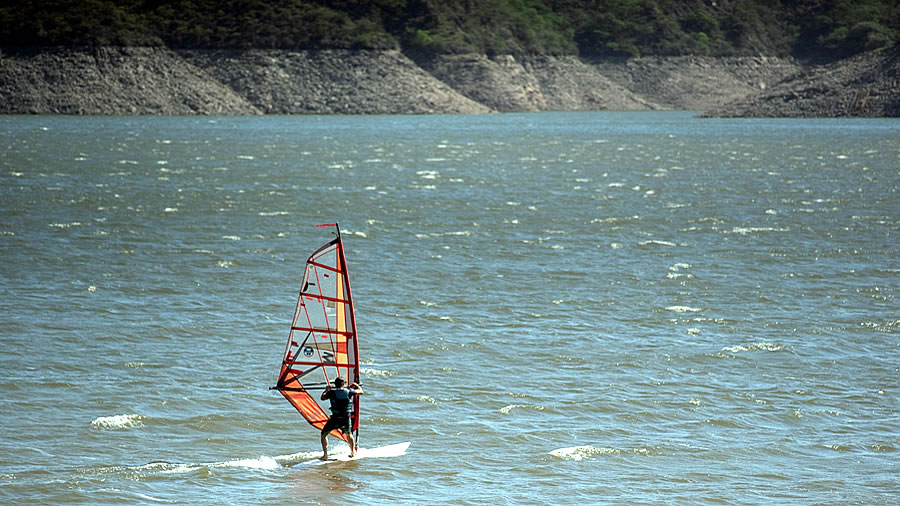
[[340, 398]]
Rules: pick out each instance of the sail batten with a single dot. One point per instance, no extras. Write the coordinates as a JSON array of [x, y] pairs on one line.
[[313, 298], [322, 343], [326, 267], [323, 331]]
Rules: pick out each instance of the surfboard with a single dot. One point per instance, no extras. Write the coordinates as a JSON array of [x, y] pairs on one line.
[[394, 450]]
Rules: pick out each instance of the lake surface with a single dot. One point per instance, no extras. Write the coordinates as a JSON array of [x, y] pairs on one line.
[[629, 308]]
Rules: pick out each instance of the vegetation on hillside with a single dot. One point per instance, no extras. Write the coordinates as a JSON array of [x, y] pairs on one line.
[[586, 27]]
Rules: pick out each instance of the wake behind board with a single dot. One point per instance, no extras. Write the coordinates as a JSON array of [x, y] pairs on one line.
[[395, 450]]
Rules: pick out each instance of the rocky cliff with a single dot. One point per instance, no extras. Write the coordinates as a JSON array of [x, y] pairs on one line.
[[867, 85], [137, 80], [696, 82], [534, 83], [332, 82], [111, 80]]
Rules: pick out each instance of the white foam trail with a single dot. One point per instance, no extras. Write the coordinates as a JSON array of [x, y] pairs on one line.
[[259, 463], [262, 462]]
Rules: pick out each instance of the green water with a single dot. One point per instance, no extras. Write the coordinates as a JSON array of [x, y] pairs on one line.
[[623, 308]]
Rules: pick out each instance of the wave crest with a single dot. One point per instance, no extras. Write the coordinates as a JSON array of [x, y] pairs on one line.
[[762, 346], [117, 422]]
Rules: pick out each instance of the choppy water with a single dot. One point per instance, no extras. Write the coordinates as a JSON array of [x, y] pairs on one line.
[[553, 308]]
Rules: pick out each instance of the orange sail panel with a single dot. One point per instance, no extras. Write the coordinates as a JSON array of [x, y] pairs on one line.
[[322, 343]]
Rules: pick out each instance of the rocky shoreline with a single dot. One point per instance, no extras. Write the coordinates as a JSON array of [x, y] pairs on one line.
[[160, 81], [111, 81], [867, 85]]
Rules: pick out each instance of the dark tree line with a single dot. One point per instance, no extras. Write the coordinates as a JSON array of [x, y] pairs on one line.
[[587, 27]]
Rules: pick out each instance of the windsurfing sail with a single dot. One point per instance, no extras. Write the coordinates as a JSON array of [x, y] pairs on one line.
[[322, 344]]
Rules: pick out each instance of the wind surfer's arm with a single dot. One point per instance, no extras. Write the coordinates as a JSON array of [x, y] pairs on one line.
[[325, 393], [356, 388]]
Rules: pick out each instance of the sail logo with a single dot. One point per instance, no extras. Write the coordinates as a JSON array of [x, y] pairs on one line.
[[308, 351]]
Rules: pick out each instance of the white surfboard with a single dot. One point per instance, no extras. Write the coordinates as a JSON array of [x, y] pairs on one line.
[[395, 450]]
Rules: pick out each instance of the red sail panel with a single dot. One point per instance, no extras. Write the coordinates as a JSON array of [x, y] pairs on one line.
[[322, 344], [301, 400]]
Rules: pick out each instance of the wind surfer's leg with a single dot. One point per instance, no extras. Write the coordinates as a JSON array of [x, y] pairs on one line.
[[325, 446], [352, 444]]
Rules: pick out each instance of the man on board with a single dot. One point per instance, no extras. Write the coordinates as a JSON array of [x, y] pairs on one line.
[[340, 398]]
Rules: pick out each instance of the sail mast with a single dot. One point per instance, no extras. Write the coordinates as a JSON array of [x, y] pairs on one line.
[[355, 379]]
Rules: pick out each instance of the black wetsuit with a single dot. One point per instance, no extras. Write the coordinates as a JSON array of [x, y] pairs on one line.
[[340, 410]]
